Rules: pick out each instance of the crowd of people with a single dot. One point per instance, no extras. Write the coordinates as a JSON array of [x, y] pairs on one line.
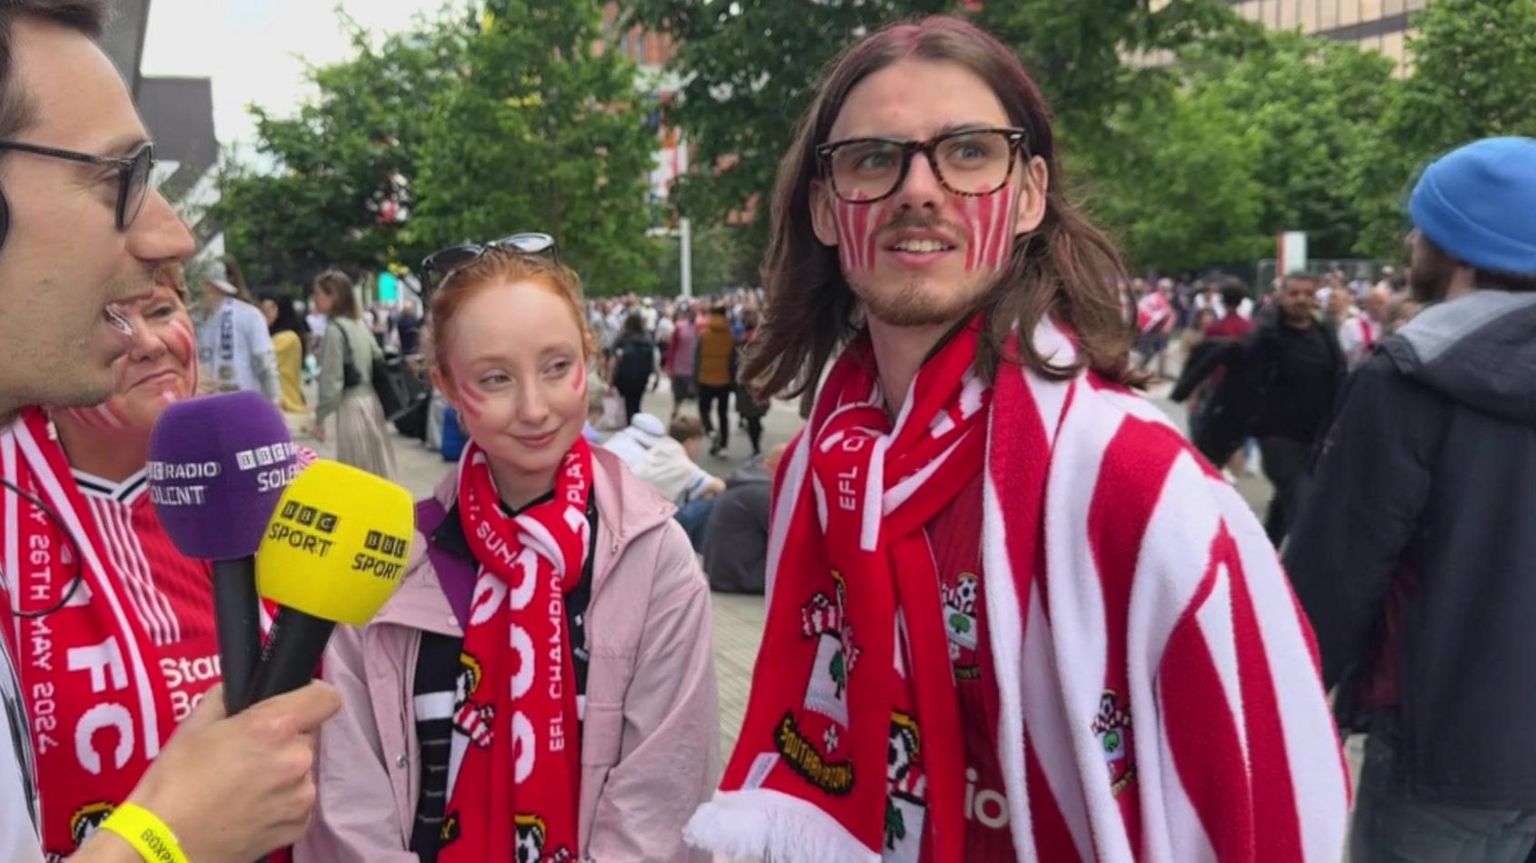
[[1264, 376], [1012, 612]]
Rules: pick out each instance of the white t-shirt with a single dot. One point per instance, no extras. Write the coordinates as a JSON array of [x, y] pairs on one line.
[[1356, 336], [234, 349]]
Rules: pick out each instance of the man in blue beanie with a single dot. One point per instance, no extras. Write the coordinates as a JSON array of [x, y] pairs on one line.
[[1415, 552]]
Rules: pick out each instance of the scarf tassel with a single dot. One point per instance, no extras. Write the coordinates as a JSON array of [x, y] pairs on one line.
[[770, 825]]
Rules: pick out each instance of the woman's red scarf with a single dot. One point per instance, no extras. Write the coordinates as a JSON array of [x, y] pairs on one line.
[[516, 792]]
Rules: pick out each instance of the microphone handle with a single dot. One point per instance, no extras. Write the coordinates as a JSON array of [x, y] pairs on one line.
[[237, 612], [293, 653]]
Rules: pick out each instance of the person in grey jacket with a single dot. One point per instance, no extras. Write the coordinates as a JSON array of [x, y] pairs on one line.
[[362, 434], [1412, 554]]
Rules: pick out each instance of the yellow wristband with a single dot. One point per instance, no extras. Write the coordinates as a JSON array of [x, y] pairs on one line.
[[147, 834]]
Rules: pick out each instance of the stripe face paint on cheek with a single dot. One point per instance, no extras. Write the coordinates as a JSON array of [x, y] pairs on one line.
[[858, 226], [182, 346], [471, 400], [989, 223]]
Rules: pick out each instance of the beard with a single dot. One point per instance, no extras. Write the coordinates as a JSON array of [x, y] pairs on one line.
[[918, 302], [1430, 277], [1429, 282]]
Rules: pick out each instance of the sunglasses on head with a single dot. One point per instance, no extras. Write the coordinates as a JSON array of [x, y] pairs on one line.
[[443, 263]]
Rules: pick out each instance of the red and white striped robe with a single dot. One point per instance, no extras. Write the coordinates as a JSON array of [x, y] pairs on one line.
[[1115, 558]]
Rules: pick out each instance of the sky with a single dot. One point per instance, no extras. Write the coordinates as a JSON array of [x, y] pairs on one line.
[[256, 50]]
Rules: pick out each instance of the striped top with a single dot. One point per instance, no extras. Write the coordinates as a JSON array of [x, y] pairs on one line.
[[1159, 696]]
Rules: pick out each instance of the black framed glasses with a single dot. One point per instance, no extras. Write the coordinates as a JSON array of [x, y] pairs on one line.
[[132, 173], [968, 162], [443, 263]]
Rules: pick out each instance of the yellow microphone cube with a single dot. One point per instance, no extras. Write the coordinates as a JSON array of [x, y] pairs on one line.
[[337, 545]]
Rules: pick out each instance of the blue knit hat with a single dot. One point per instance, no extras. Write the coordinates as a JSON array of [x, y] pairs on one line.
[[1478, 203]]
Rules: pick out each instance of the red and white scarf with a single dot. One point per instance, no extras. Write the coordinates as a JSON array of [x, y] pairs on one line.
[[1143, 635], [517, 787], [100, 707]]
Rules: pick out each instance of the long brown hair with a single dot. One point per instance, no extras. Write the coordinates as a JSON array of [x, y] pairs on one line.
[[338, 286], [1066, 267]]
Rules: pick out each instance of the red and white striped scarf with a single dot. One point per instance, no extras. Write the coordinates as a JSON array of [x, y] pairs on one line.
[[107, 677], [1143, 634], [517, 787]]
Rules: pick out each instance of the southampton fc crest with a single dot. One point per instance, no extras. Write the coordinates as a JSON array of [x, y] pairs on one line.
[[825, 619], [960, 624], [906, 783], [1113, 728], [530, 842]]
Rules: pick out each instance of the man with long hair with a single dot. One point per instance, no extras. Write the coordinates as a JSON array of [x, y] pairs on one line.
[[1013, 615]]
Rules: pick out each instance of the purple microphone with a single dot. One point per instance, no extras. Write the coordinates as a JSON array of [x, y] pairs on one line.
[[217, 466]]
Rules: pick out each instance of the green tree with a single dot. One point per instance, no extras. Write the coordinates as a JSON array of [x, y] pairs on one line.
[[750, 68], [1247, 143], [1473, 76], [1182, 193], [544, 130], [483, 121], [314, 193], [717, 252], [1311, 107]]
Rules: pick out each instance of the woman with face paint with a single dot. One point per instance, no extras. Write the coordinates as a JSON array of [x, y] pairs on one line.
[[542, 682], [129, 649]]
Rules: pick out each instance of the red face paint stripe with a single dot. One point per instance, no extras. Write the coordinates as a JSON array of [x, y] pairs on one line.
[[976, 236], [861, 236], [184, 350], [978, 241], [876, 223], [1000, 229], [988, 219], [1005, 228], [845, 241], [473, 401]]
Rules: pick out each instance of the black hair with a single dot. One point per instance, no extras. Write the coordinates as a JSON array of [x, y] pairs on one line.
[[18, 109], [288, 320]]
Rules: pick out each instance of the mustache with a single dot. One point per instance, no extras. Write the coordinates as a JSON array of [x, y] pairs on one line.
[[923, 220]]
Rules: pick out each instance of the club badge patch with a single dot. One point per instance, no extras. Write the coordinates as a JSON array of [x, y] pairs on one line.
[[530, 842], [906, 796], [825, 619], [960, 624], [1113, 728]]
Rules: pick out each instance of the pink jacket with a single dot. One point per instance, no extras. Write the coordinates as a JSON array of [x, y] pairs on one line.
[[650, 735]]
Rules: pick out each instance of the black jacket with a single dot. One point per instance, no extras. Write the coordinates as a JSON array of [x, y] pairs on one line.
[[1237, 408], [1425, 489]]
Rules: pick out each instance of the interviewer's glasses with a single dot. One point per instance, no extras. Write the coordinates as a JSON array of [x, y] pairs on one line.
[[132, 173]]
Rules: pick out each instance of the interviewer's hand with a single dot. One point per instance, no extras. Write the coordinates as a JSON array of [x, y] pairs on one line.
[[234, 788]]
